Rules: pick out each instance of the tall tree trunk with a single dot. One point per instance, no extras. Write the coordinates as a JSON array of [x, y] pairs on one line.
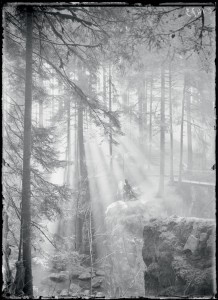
[[26, 196], [141, 98], [162, 133], [203, 135], [104, 86], [76, 173], [7, 274], [82, 240], [41, 113], [189, 128], [181, 132], [145, 111], [127, 107], [98, 83], [68, 152], [75, 145], [171, 124], [129, 113], [53, 97], [80, 216], [150, 118], [110, 107], [41, 100]]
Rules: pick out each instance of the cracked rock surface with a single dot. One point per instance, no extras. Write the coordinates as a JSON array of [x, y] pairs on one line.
[[179, 256]]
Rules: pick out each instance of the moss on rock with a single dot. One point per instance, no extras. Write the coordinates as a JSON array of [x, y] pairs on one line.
[[179, 256]]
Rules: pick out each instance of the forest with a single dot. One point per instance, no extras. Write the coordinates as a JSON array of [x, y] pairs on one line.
[[108, 166]]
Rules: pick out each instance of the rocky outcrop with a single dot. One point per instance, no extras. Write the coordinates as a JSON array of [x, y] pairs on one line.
[[75, 282], [179, 257], [124, 264], [88, 278]]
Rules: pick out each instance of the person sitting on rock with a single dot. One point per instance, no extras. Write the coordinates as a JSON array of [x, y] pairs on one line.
[[128, 193]]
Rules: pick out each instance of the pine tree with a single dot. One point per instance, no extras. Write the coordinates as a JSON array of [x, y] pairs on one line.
[[162, 133], [182, 131], [171, 123], [26, 189]]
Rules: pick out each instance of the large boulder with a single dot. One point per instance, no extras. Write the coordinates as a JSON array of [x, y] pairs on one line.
[[179, 257], [86, 276], [99, 272], [76, 271], [75, 288], [59, 277], [97, 281]]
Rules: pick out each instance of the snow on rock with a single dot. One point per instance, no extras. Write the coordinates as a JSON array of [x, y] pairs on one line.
[[179, 257]]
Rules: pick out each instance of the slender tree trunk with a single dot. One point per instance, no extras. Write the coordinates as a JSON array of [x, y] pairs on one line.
[[171, 124], [90, 236], [162, 134], [145, 111], [104, 86], [67, 179], [130, 114], [76, 174], [41, 113], [7, 275], [128, 110], [203, 135], [181, 132], [141, 98], [150, 118], [53, 99], [80, 216], [26, 197], [75, 144], [41, 100], [110, 108], [82, 243], [189, 128], [98, 82]]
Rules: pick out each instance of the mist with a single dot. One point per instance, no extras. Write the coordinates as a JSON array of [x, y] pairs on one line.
[[108, 133]]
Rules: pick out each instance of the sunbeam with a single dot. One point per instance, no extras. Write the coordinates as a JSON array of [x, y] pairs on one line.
[[108, 151]]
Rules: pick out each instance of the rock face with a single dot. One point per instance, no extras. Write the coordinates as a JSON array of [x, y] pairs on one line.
[[124, 264], [179, 257]]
